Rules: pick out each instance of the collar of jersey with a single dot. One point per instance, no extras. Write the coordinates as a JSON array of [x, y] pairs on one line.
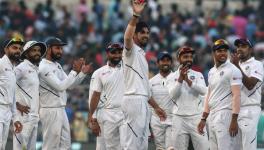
[[248, 61], [6, 59], [30, 64]]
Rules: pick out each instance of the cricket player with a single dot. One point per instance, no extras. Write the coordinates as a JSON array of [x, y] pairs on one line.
[[27, 94], [160, 94], [110, 82], [53, 85], [222, 100], [12, 48], [186, 87], [252, 77], [137, 90]]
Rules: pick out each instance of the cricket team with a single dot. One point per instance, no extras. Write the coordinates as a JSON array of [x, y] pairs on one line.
[[125, 106]]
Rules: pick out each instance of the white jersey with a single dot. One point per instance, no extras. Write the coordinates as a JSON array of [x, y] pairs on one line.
[[187, 99], [136, 72], [110, 82], [220, 81], [7, 86], [27, 92], [252, 68], [160, 93], [54, 82]]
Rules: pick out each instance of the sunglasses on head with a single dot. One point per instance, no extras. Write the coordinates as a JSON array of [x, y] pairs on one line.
[[220, 42], [14, 40]]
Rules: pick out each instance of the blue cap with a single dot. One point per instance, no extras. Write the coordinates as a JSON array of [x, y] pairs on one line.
[[114, 46], [163, 54], [53, 41], [243, 42]]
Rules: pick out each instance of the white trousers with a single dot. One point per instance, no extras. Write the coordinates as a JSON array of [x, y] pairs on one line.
[[100, 142], [112, 128], [248, 123], [28, 136], [136, 122], [162, 133], [184, 128], [219, 137], [55, 129], [5, 119]]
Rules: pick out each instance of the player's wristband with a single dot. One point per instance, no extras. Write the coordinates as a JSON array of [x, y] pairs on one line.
[[203, 119], [136, 15]]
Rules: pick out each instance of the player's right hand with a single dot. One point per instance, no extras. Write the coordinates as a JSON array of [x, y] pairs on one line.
[[22, 108], [200, 127], [18, 127], [138, 6]]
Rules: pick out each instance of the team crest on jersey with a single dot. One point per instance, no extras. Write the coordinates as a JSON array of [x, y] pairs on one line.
[[247, 68], [192, 77], [221, 73], [29, 71], [104, 73], [59, 67], [7, 69]]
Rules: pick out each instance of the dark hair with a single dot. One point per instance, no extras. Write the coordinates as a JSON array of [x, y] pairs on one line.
[[140, 25]]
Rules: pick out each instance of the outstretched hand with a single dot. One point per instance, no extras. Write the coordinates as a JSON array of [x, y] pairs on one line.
[[138, 6]]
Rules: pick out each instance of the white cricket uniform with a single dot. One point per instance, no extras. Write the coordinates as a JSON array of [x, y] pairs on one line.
[[220, 104], [27, 94], [250, 105], [100, 143], [187, 110], [7, 98], [53, 85], [136, 96], [161, 129], [109, 81]]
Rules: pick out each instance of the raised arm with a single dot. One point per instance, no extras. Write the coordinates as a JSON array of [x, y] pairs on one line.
[[131, 27]]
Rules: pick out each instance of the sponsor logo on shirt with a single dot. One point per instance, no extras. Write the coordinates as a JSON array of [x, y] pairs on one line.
[[155, 84], [192, 77], [247, 68], [7, 69], [104, 73], [221, 73]]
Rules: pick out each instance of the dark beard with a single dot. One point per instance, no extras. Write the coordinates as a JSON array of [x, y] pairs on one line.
[[165, 70], [55, 57], [34, 60], [14, 57], [188, 64], [114, 62]]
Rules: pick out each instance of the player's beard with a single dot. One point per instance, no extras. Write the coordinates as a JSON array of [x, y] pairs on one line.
[[165, 68], [115, 61], [14, 56], [55, 57], [188, 64], [34, 59]]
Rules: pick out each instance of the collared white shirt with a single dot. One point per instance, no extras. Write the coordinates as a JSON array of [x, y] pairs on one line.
[[110, 82], [252, 68], [136, 72], [187, 99], [54, 82], [27, 91], [220, 81], [160, 93], [7, 85]]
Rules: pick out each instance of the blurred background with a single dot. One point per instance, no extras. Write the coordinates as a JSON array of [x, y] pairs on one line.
[[89, 25]]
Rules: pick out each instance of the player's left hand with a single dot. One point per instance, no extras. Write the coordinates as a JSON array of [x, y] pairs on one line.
[[161, 113], [235, 59], [18, 127], [233, 129]]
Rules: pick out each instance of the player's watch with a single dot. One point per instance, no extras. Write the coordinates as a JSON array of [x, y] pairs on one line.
[[136, 15]]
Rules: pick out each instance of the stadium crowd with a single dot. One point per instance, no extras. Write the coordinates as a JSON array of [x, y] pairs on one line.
[[88, 29]]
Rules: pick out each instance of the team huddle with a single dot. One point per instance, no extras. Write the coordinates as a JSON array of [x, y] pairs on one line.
[[125, 106]]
